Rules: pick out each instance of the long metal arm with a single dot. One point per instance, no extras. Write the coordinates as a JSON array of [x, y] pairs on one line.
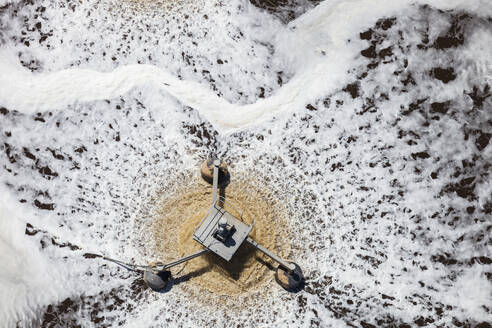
[[288, 266], [216, 181], [183, 259]]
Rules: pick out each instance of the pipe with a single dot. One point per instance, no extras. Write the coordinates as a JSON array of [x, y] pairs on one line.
[[288, 266], [216, 181], [184, 259]]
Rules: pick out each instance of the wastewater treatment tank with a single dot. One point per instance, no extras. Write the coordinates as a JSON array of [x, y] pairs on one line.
[[356, 133]]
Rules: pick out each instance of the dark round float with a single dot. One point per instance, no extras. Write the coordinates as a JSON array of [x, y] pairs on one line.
[[207, 172], [157, 281], [289, 280]]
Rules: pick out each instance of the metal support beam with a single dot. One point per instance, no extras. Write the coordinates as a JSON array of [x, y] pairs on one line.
[[216, 181], [183, 259], [288, 266]]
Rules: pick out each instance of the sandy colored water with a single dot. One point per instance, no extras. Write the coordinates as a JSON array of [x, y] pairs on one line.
[[249, 269]]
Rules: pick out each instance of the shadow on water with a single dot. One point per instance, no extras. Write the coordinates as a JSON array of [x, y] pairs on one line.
[[171, 281], [237, 264], [296, 289], [271, 267], [222, 196]]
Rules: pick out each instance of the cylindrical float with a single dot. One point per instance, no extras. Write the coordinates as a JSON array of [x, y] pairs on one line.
[[289, 280], [157, 281], [207, 172]]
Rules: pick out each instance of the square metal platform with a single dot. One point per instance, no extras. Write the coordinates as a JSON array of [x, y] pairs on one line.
[[209, 224]]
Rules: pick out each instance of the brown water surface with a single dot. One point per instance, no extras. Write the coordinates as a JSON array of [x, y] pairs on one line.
[[248, 270]]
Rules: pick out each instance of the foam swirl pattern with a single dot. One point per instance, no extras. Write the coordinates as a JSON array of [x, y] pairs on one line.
[[365, 127]]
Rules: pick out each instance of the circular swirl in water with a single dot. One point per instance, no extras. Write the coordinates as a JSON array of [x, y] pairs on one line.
[[249, 269]]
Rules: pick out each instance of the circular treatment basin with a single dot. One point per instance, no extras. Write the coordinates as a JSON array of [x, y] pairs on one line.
[[180, 213]]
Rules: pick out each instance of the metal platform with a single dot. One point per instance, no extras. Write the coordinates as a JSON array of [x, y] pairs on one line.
[[204, 233]]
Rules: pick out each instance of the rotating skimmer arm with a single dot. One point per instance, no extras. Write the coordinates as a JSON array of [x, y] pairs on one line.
[[216, 181], [287, 265], [183, 259]]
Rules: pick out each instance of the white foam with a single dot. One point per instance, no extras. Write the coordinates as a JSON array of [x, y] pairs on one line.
[[6, 2], [27, 276], [117, 180], [314, 45]]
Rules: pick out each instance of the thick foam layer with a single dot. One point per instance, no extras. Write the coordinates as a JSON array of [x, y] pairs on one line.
[[375, 138], [322, 34]]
